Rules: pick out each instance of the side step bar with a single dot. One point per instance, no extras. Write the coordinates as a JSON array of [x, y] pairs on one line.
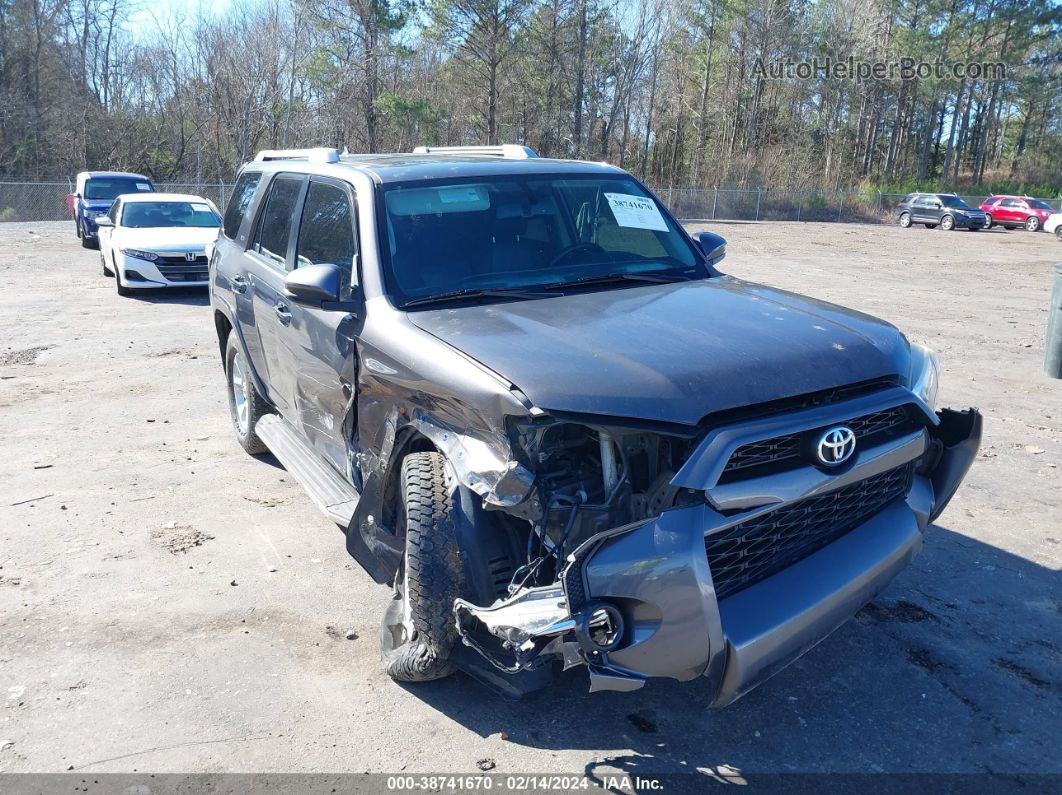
[[332, 494]]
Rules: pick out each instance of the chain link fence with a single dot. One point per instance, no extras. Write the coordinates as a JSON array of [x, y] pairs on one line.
[[779, 204], [46, 201]]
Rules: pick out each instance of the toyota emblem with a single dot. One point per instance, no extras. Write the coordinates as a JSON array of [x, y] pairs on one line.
[[836, 445]]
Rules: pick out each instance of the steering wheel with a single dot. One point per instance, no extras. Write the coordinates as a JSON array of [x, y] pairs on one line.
[[572, 249]]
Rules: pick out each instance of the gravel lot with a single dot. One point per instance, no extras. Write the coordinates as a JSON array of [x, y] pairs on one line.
[[169, 604]]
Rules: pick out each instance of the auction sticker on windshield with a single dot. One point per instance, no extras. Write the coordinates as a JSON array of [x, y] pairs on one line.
[[635, 211], [143, 186]]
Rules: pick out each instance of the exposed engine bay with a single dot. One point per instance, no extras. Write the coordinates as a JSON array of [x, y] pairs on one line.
[[588, 481]]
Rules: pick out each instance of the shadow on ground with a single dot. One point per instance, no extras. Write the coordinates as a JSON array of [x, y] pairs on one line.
[[189, 296], [957, 667]]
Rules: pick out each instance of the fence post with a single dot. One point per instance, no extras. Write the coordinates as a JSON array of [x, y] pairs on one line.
[[840, 208], [879, 202], [757, 204], [715, 201]]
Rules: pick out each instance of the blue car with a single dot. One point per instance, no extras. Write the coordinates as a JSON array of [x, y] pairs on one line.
[[93, 195]]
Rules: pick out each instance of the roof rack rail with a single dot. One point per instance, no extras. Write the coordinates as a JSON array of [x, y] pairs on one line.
[[511, 151], [320, 154]]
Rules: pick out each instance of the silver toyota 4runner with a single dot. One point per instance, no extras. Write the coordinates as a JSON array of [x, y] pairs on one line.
[[547, 420]]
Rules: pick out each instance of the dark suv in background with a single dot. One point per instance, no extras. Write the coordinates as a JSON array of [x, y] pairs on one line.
[[545, 418], [945, 210]]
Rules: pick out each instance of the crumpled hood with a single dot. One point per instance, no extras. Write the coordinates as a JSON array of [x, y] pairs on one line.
[[165, 239], [671, 352]]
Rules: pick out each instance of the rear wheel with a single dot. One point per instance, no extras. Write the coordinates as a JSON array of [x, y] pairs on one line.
[[418, 632], [905, 220], [1058, 232], [947, 223], [1032, 223], [246, 406]]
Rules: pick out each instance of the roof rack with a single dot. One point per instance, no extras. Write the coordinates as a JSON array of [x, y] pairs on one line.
[[321, 154], [511, 151]]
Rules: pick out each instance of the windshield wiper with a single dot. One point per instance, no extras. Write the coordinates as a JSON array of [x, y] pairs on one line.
[[625, 276], [472, 292]]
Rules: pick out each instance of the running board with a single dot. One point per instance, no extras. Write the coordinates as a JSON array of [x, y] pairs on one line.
[[326, 488]]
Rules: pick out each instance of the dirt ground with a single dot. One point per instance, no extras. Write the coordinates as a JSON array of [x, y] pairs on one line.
[[169, 604]]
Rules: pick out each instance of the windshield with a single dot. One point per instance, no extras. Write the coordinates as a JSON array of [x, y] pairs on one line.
[[112, 187], [525, 232], [955, 201], [140, 215], [1040, 205]]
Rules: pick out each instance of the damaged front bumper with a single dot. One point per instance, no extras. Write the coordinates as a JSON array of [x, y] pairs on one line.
[[640, 601]]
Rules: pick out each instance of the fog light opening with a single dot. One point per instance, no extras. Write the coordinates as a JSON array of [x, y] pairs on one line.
[[600, 627]]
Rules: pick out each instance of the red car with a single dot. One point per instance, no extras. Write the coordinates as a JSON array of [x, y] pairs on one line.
[[1011, 212]]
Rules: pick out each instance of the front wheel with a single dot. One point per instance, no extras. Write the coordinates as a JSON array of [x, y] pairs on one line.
[[947, 223], [246, 406], [905, 220], [988, 220], [418, 632], [1032, 223], [1058, 232]]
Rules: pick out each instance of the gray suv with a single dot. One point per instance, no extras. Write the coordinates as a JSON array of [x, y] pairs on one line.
[[557, 431]]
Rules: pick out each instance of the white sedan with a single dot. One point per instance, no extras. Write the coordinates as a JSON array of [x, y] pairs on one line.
[[1053, 225], [154, 240]]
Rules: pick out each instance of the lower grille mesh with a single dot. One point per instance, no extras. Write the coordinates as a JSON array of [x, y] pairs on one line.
[[754, 550]]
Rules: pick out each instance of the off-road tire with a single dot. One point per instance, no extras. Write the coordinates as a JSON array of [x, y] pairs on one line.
[[905, 220], [430, 578], [256, 404]]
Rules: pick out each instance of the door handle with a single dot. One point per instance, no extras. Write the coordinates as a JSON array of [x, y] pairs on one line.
[[282, 312], [238, 284]]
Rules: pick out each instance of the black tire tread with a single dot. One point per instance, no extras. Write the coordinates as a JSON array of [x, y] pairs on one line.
[[434, 572], [257, 406]]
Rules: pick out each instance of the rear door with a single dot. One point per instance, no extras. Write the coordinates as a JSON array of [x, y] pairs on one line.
[[267, 261], [921, 209], [321, 343], [1008, 210]]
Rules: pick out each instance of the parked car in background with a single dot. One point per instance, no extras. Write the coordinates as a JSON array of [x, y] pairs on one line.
[[1053, 225], [1010, 212], [945, 210], [94, 192], [152, 240], [557, 430]]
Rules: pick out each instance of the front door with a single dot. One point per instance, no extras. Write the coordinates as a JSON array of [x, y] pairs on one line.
[[322, 343], [268, 259]]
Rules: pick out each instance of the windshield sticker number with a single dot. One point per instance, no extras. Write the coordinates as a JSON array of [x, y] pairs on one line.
[[143, 186], [460, 194], [200, 208], [636, 211]]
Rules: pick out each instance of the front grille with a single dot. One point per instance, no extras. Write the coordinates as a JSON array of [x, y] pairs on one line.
[[771, 455], [184, 272], [179, 259], [755, 549]]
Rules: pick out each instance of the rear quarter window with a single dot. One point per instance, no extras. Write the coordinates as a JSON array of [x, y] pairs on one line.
[[240, 200]]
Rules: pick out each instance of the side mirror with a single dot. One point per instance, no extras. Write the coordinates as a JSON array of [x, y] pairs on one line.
[[104, 220], [314, 284], [713, 246]]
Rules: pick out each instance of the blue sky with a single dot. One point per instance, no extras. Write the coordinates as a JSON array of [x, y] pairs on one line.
[[160, 12]]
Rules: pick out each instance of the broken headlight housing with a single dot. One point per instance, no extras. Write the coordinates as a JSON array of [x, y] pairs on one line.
[[923, 377]]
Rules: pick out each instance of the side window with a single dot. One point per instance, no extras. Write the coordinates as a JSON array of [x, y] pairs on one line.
[[239, 201], [113, 212], [1009, 203], [274, 222], [326, 232]]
